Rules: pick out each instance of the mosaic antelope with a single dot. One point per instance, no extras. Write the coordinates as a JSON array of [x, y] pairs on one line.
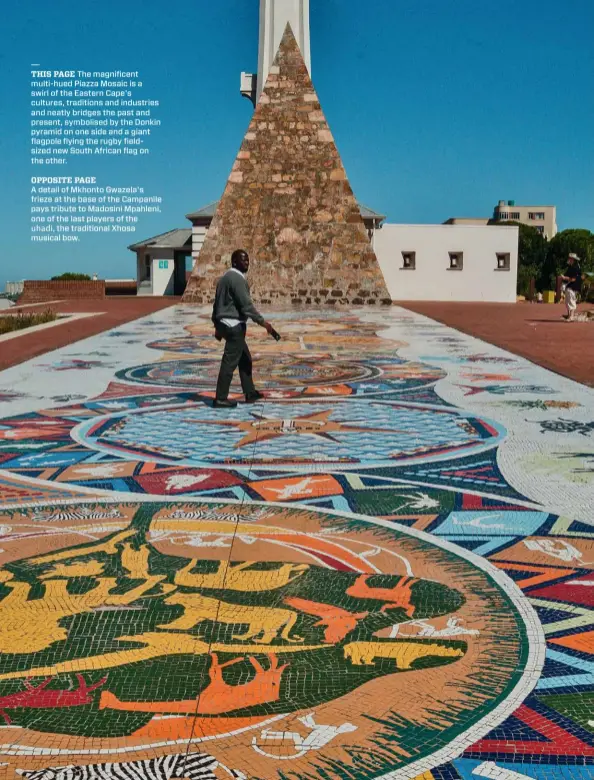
[[219, 697], [398, 597], [40, 698], [338, 622]]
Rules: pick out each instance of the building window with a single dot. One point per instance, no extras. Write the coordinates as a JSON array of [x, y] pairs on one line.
[[503, 261], [456, 261], [536, 215], [514, 215], [503, 215], [409, 261], [147, 266], [540, 228]]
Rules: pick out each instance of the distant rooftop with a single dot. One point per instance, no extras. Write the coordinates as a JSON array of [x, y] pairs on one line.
[[173, 239], [368, 213], [208, 212], [466, 221], [205, 212]]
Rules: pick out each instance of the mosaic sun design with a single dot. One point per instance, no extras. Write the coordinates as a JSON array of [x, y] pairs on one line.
[[157, 633], [340, 434]]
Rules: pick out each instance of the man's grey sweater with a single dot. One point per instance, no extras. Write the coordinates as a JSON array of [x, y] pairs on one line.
[[233, 300]]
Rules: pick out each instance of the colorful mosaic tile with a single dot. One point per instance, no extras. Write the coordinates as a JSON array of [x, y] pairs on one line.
[[123, 639], [378, 571]]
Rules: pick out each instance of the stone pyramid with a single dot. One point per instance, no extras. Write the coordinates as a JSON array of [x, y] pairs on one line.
[[289, 204]]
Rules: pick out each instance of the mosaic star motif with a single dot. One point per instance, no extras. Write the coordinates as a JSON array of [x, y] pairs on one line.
[[317, 425]]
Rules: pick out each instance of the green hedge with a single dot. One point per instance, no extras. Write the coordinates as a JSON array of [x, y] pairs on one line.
[[71, 277]]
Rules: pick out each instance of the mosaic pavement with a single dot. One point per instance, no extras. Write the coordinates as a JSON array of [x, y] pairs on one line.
[[383, 570]]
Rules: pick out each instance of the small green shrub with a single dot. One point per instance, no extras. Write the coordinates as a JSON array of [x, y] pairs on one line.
[[71, 277], [13, 322]]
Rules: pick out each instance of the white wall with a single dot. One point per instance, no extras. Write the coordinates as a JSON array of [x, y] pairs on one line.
[[274, 15], [432, 279], [144, 286], [198, 237], [163, 271]]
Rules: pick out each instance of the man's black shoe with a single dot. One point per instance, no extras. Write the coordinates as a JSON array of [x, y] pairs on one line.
[[224, 403], [257, 396]]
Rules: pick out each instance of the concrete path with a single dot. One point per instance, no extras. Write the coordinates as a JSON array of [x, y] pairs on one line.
[[106, 313]]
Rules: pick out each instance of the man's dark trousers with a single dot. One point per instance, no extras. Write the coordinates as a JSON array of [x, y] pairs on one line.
[[236, 355]]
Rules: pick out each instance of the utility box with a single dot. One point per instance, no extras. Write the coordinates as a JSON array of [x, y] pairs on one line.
[[549, 296]]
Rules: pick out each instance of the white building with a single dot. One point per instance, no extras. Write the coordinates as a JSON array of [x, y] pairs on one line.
[[162, 262], [419, 262], [14, 288], [449, 262], [543, 218]]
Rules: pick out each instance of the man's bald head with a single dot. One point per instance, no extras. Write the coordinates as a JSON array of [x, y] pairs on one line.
[[240, 260]]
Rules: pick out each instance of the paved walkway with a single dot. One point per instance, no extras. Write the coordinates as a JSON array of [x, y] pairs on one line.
[[107, 313], [537, 332], [385, 569]]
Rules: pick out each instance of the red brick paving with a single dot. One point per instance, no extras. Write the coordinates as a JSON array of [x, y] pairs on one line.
[[114, 312], [534, 331]]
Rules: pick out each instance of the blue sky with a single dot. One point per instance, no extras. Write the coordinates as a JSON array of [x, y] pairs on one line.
[[439, 108]]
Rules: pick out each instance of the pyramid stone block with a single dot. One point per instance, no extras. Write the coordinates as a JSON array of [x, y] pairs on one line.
[[289, 204]]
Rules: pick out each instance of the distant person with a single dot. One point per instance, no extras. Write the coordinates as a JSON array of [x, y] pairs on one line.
[[230, 312], [573, 285], [539, 298]]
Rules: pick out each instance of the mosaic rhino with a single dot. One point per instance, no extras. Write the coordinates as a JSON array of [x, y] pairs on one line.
[[404, 653]]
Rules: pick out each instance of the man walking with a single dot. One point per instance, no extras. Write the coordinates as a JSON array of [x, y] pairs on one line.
[[231, 310], [573, 285]]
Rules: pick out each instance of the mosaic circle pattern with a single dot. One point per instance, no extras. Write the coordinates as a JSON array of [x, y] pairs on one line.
[[342, 434], [282, 371], [287, 372], [249, 632]]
